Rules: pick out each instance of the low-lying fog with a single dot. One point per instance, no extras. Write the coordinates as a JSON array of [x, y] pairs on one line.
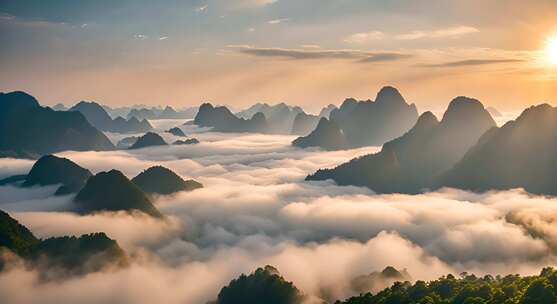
[[256, 209]]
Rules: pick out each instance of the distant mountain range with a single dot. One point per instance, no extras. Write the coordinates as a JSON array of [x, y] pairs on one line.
[[371, 123], [167, 113], [29, 130], [413, 162], [522, 153], [100, 119], [221, 119]]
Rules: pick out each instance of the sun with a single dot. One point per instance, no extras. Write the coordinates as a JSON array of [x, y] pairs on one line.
[[551, 50]]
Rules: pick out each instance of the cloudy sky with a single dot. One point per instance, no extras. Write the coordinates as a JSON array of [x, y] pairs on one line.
[[311, 52]]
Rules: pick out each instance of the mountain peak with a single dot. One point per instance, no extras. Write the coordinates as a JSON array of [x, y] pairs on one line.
[[17, 100], [464, 108], [147, 140], [113, 191], [389, 94], [161, 180], [51, 170]]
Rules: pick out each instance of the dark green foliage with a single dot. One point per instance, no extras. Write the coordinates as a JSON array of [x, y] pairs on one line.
[[189, 141], [113, 191], [176, 131], [161, 180], [51, 170], [27, 129], [70, 252], [265, 285], [469, 289], [326, 135], [372, 123], [222, 120], [15, 236], [87, 253], [148, 140], [522, 153], [413, 162]]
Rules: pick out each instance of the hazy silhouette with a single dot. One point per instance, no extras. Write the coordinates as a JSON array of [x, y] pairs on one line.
[[99, 118], [222, 120], [372, 123], [29, 130], [304, 123], [412, 162], [326, 135], [161, 180], [149, 139], [522, 153]]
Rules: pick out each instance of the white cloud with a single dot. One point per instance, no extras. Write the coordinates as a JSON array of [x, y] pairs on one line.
[[256, 210], [441, 33], [201, 8], [364, 37], [163, 37], [278, 21]]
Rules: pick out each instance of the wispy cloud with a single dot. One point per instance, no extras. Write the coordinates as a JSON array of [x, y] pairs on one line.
[[311, 46], [473, 62], [364, 37], [201, 8], [163, 38], [441, 33], [301, 54], [140, 36], [278, 21]]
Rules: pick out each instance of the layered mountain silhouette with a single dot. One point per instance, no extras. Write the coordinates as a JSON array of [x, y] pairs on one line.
[[372, 123], [99, 118], [494, 112], [59, 107], [327, 135], [265, 285], [304, 123], [221, 119], [176, 132], [167, 113], [149, 139], [52, 170], [326, 111], [189, 141], [280, 117], [74, 255], [126, 142], [413, 162], [161, 180], [113, 191], [522, 153], [29, 130]]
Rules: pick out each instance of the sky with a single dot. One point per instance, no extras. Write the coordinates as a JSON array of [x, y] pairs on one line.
[[309, 53]]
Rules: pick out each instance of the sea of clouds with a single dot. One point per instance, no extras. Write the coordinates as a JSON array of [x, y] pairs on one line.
[[256, 209]]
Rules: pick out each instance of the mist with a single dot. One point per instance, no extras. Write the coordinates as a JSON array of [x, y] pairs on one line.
[[256, 209]]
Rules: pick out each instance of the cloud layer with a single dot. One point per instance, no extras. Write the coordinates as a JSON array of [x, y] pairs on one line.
[[256, 210]]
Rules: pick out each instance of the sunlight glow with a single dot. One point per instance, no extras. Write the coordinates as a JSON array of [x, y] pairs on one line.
[[551, 50]]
